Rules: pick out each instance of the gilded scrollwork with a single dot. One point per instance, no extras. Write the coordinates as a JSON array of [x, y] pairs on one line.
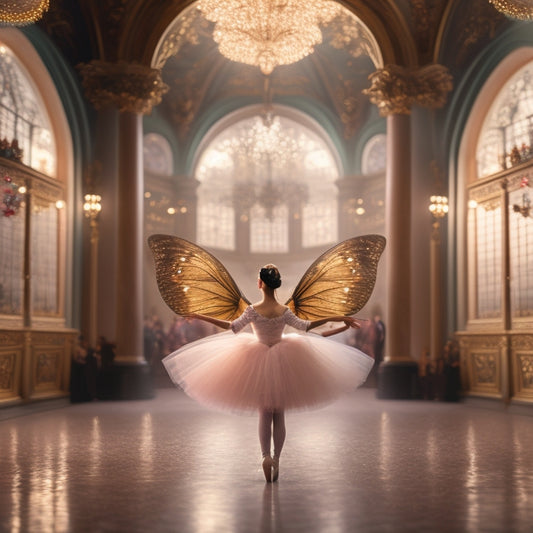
[[426, 16], [526, 371], [189, 29], [485, 367], [394, 89], [129, 87], [46, 368], [7, 370]]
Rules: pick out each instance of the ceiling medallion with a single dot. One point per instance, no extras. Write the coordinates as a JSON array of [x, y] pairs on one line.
[[268, 33], [22, 12], [516, 9]]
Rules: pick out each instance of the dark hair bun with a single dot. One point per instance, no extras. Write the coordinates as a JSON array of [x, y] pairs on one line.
[[270, 276]]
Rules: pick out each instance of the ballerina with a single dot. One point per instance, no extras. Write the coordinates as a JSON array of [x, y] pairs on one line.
[[266, 371]]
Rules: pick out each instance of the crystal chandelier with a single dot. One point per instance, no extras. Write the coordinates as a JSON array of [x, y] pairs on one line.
[[270, 151], [268, 33], [516, 9], [22, 12]]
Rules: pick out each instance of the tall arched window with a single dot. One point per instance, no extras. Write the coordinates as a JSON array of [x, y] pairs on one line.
[[500, 223], [22, 116], [30, 220], [267, 184], [507, 135]]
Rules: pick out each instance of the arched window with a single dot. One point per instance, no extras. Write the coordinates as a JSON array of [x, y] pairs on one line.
[[157, 155], [22, 116], [267, 184], [30, 216], [374, 157], [507, 135], [500, 223]]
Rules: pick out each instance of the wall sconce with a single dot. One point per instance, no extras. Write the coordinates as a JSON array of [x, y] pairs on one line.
[[92, 205], [438, 206]]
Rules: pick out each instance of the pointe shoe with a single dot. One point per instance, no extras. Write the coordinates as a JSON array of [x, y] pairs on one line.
[[267, 468], [275, 468]]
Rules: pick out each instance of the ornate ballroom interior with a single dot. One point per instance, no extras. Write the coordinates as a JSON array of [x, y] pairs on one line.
[[411, 119], [265, 131]]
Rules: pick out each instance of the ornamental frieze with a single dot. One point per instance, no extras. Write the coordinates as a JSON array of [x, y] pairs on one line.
[[129, 87], [395, 89]]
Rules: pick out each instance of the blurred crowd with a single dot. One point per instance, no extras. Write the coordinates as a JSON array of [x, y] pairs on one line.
[[159, 342], [91, 367]]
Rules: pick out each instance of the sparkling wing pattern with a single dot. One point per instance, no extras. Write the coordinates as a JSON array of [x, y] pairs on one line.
[[191, 280], [340, 281]]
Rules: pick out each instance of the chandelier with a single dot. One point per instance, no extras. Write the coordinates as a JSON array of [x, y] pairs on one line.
[[516, 9], [22, 12], [268, 33], [270, 151]]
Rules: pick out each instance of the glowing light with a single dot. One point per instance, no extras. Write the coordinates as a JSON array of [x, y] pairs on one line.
[[268, 33], [22, 12], [438, 206]]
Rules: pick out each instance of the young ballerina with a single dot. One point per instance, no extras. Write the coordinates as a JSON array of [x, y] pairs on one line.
[[267, 371]]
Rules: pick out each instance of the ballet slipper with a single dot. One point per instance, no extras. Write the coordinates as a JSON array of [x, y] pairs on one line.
[[267, 468], [275, 468]]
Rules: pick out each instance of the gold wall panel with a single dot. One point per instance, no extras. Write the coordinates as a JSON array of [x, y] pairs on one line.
[[11, 353], [522, 367], [483, 365], [50, 363], [34, 365]]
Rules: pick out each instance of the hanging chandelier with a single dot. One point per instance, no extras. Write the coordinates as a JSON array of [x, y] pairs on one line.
[[516, 9], [268, 33], [22, 12]]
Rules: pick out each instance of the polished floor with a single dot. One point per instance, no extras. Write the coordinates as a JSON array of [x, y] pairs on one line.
[[361, 465]]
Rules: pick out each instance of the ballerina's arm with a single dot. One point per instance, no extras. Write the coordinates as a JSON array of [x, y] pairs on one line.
[[224, 324], [349, 322], [330, 332]]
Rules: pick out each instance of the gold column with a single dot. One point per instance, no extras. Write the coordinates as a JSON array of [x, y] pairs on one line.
[[395, 89], [133, 90]]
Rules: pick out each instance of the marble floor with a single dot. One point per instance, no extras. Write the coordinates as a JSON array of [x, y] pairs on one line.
[[361, 465]]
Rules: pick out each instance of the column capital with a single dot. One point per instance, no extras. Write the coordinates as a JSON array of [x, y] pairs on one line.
[[394, 89], [129, 87]]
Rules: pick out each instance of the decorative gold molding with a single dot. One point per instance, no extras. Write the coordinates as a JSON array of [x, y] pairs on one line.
[[7, 370], [130, 87], [394, 89]]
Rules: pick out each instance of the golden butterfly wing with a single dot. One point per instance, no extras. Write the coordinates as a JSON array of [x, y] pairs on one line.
[[340, 281], [191, 280]]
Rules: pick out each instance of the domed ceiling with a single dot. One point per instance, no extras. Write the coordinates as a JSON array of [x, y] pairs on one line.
[[327, 84]]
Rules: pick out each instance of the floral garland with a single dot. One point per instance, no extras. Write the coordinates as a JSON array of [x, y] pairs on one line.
[[12, 199]]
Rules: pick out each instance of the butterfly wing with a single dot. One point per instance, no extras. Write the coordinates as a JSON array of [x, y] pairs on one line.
[[191, 280], [340, 281]]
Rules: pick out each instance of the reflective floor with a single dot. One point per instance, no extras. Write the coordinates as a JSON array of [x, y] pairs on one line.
[[361, 465]]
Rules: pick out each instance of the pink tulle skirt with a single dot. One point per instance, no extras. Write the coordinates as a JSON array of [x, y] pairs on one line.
[[240, 374]]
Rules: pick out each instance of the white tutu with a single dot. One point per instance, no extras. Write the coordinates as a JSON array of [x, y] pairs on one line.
[[239, 373]]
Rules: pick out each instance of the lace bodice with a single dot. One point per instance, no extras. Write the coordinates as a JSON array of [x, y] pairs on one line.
[[268, 330]]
